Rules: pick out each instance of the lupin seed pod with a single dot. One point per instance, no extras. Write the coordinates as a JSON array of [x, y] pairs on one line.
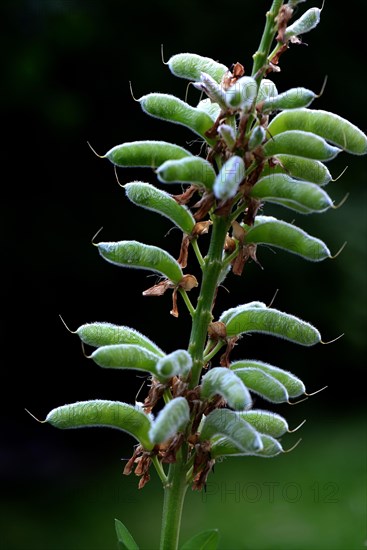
[[101, 413], [146, 154], [191, 65], [267, 90], [291, 99], [222, 381], [229, 178], [193, 170], [300, 168], [141, 256], [229, 313], [225, 447], [299, 143], [106, 334], [173, 418], [228, 135], [177, 363], [263, 384], [215, 92], [273, 232], [301, 196], [126, 356], [223, 422], [151, 198], [256, 138], [172, 109], [273, 322], [266, 422], [242, 94], [332, 127], [211, 109], [294, 386], [308, 21]]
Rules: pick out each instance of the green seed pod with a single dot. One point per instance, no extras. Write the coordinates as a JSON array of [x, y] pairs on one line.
[[171, 108], [301, 168], [193, 170], [213, 90], [291, 99], [227, 423], [266, 422], [229, 178], [101, 413], [224, 447], [274, 322], [191, 65], [267, 90], [141, 256], [149, 154], [222, 381], [105, 334], [126, 356], [299, 143], [308, 21], [173, 418], [151, 198], [294, 386], [242, 94], [229, 313], [301, 196], [329, 126], [228, 135], [273, 232], [211, 109], [263, 384], [177, 363], [256, 138]]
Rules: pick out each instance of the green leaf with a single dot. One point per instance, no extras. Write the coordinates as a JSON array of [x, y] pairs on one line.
[[206, 540], [124, 537]]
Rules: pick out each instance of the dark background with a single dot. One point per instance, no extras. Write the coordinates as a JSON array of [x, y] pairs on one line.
[[66, 67]]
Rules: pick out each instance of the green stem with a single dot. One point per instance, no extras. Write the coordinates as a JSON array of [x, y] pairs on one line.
[[174, 495], [212, 268], [196, 248], [214, 351], [187, 301], [159, 468], [261, 56]]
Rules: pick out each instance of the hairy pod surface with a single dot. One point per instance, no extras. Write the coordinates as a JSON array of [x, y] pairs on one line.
[[267, 90], [173, 418], [331, 127], [172, 109], [271, 231], [191, 65], [308, 21], [299, 143], [242, 94], [141, 256], [229, 178], [222, 381], [299, 167], [256, 138], [294, 386], [156, 200], [273, 322], [211, 109], [105, 334], [225, 447], [226, 423], [146, 154], [266, 422], [126, 356], [177, 363], [293, 98], [263, 384], [302, 196], [193, 170], [102, 413]]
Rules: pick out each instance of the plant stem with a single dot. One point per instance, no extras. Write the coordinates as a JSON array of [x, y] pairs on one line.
[[260, 57], [212, 268], [174, 495]]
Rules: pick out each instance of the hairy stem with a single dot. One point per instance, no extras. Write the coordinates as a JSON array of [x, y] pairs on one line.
[[212, 268], [260, 57], [174, 495]]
